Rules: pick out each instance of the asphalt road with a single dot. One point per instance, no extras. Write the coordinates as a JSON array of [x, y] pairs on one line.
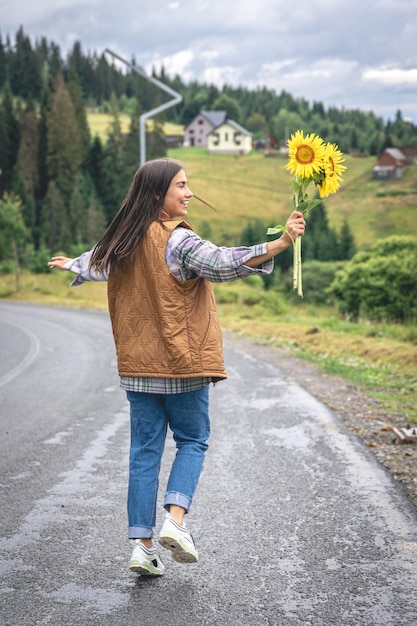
[[295, 522]]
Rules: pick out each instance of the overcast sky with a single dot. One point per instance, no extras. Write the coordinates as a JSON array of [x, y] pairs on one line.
[[344, 53]]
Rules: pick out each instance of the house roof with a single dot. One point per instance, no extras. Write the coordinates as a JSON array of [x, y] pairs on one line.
[[395, 153], [234, 125], [215, 117]]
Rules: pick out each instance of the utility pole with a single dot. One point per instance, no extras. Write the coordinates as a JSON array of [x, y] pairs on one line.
[[142, 119]]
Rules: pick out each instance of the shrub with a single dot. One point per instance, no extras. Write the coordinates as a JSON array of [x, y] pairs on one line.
[[225, 296], [254, 280], [274, 302], [38, 261], [380, 284], [7, 267], [317, 278]]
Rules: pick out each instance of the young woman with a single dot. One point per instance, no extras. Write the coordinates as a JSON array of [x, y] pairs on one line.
[[168, 341]]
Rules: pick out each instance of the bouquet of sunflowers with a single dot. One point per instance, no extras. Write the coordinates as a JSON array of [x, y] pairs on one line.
[[311, 160]]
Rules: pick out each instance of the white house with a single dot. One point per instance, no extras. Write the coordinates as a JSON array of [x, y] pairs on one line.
[[229, 138], [197, 130]]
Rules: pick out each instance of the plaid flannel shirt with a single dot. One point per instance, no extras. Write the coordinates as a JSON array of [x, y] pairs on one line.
[[187, 256]]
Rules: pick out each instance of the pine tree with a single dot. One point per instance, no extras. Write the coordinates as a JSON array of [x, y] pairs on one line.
[[75, 93], [319, 242], [25, 69], [347, 247], [3, 149], [10, 135], [103, 85], [27, 164], [96, 222], [45, 109], [13, 232], [114, 176], [56, 231], [81, 67], [156, 145], [78, 216], [65, 150], [54, 61], [131, 144], [3, 64], [95, 167]]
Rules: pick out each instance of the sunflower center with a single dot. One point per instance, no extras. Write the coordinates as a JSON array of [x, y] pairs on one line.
[[304, 154]]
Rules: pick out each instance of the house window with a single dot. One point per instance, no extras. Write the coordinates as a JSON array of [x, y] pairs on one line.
[[200, 121], [226, 136]]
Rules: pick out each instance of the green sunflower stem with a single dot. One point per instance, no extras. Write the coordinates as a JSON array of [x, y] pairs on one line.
[[299, 203], [299, 278], [297, 272]]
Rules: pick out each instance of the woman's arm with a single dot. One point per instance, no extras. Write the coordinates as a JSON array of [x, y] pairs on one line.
[[189, 256], [80, 266]]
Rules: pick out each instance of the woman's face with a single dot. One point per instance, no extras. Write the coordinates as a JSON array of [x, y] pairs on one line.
[[176, 198]]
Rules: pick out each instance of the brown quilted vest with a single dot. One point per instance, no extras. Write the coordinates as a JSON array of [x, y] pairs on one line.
[[163, 327]]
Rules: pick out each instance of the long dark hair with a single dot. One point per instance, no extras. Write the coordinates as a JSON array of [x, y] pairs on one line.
[[141, 206]]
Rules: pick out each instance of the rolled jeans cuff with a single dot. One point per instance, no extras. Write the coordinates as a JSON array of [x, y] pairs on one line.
[[139, 532], [179, 499]]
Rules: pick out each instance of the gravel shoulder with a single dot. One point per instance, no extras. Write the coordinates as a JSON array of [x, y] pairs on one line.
[[361, 414]]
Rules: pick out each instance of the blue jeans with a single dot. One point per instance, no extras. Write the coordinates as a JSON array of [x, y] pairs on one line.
[[150, 415]]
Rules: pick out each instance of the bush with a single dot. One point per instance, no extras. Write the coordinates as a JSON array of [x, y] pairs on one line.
[[380, 284], [225, 296], [38, 261], [254, 280], [274, 301], [7, 267], [317, 278]]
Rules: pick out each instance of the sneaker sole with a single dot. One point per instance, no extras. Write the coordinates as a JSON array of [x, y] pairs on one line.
[[143, 571], [180, 553]]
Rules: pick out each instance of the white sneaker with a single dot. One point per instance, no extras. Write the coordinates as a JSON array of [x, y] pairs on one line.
[[146, 561], [179, 540]]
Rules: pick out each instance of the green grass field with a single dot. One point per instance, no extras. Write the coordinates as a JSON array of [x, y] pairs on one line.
[[99, 124], [255, 187]]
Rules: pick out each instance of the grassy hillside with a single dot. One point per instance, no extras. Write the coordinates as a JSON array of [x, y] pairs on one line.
[[255, 187], [99, 124]]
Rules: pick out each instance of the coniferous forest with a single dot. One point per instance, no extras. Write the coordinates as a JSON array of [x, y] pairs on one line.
[[60, 187]]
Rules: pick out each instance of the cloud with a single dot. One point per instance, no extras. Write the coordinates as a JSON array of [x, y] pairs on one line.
[[177, 63], [391, 76], [350, 53]]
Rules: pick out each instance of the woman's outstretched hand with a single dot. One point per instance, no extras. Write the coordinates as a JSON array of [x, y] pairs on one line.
[[59, 262]]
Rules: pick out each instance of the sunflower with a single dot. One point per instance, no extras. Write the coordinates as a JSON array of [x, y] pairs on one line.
[[310, 161], [332, 170], [305, 154]]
